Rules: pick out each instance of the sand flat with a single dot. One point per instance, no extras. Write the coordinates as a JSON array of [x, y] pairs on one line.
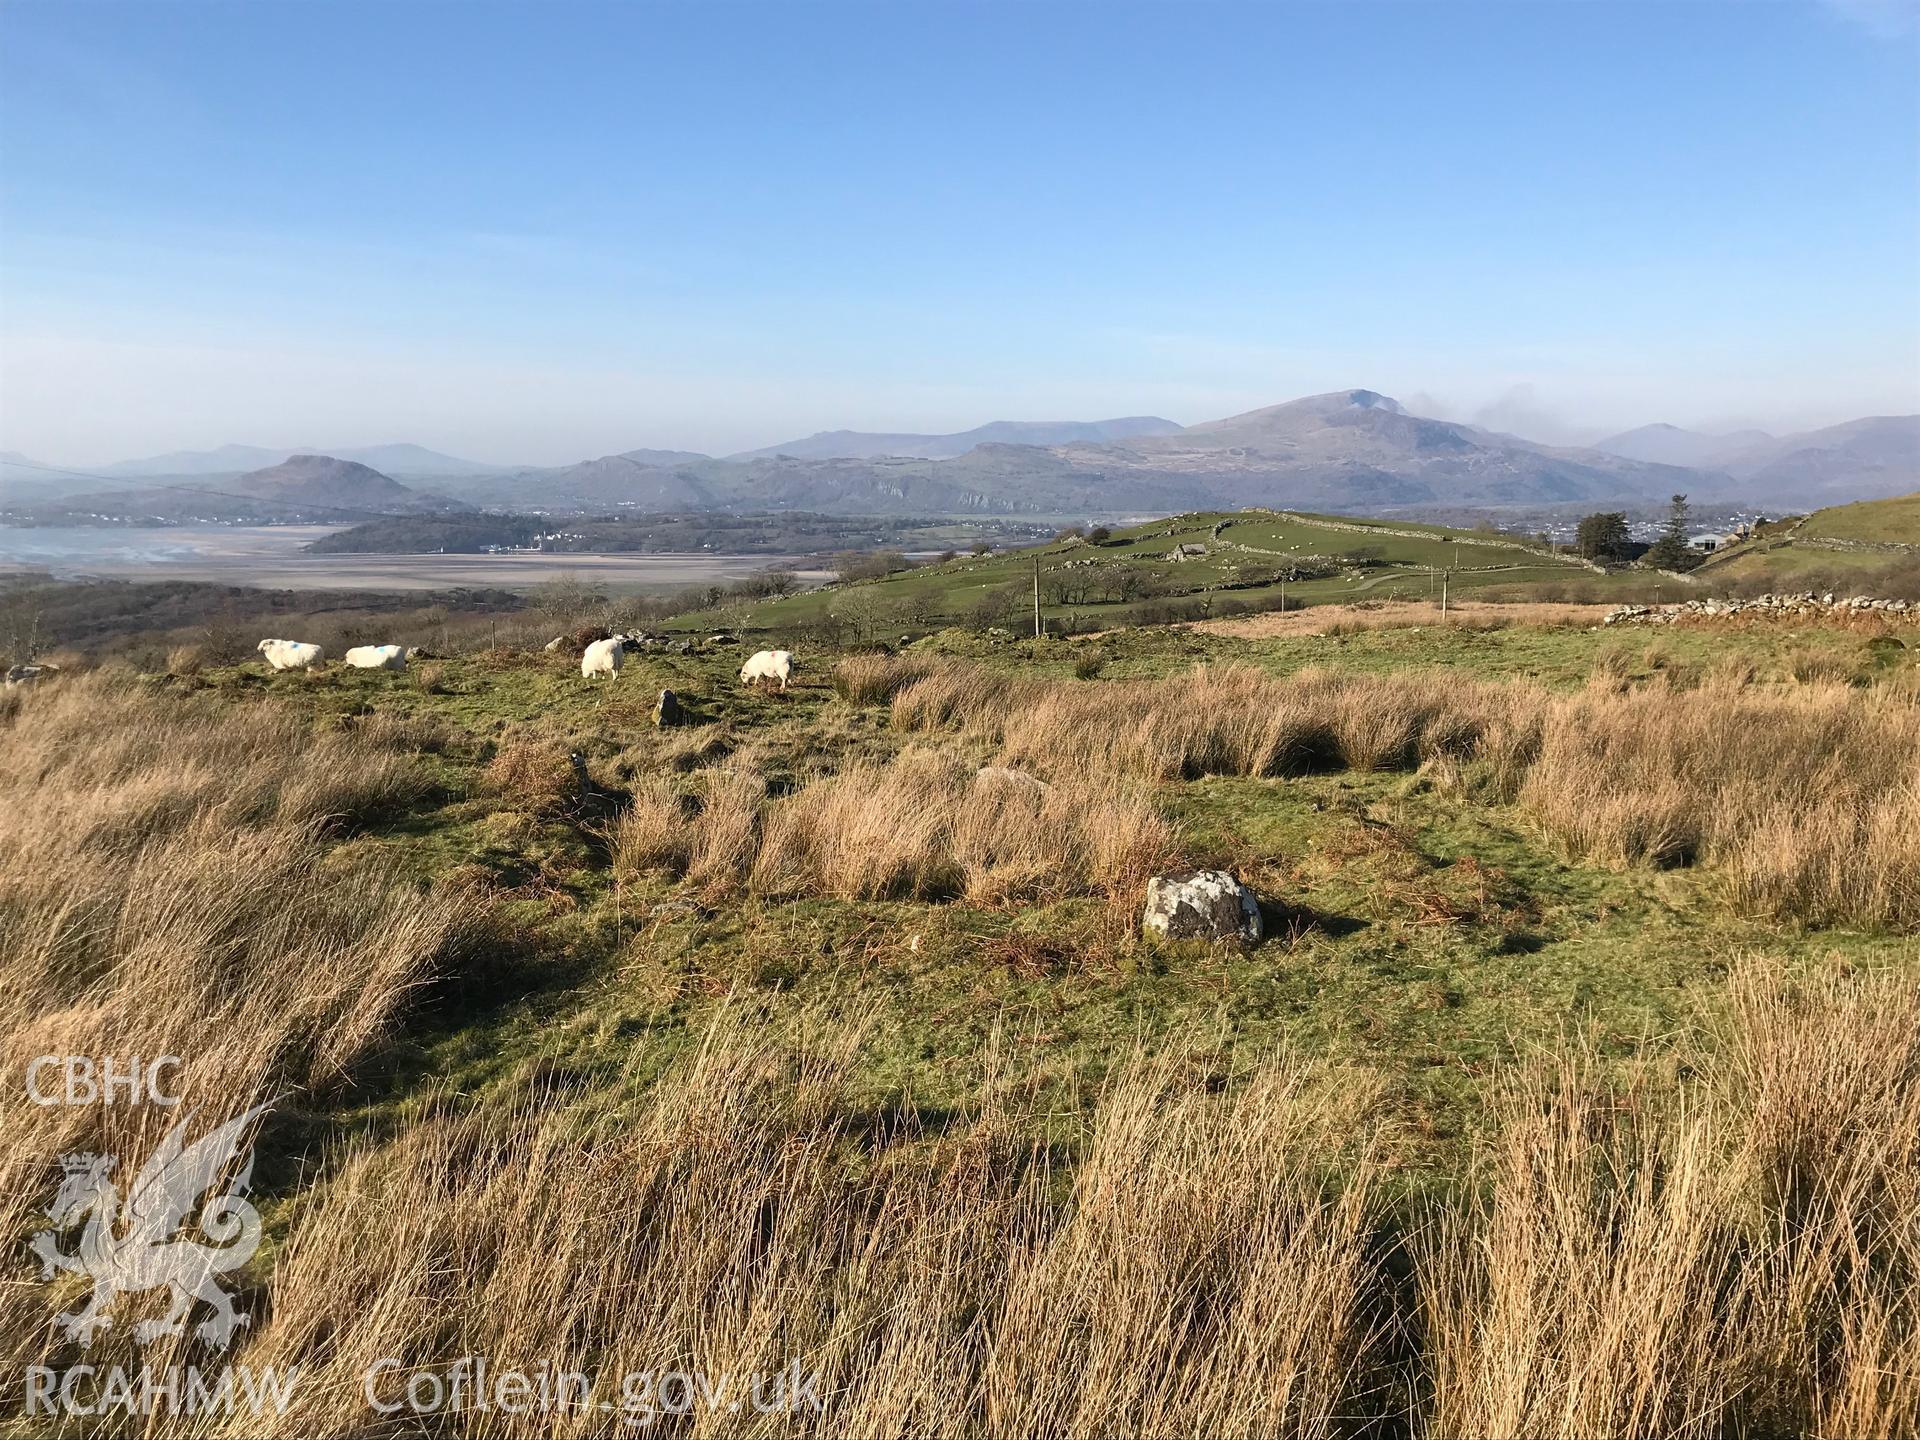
[[271, 556]]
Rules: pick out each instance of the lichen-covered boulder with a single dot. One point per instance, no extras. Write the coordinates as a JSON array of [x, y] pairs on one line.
[[669, 710], [1201, 905]]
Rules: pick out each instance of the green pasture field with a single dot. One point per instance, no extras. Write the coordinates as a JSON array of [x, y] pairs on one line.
[[1422, 934]]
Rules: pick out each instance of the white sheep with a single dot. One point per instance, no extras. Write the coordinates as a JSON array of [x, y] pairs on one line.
[[377, 657], [290, 654], [604, 657], [768, 665]]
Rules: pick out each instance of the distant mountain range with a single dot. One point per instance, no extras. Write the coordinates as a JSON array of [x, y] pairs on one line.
[[1348, 450], [1871, 458], [1353, 450], [241, 459], [1670, 445], [302, 487], [861, 445], [327, 480]]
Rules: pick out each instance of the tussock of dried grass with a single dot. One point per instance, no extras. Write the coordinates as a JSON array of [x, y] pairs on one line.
[[1738, 1257], [168, 891], [923, 826], [1579, 1293], [652, 834], [1352, 619], [1806, 798], [726, 834], [873, 679], [1736, 1253], [1205, 1275], [1229, 719], [926, 826], [534, 775], [1825, 1075]]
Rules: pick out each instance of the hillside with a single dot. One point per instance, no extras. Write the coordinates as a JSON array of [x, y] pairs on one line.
[[325, 480], [1870, 458], [1151, 573], [233, 460], [862, 445], [302, 487], [1348, 451], [783, 534], [1357, 449], [1871, 546], [1353, 451], [825, 1024], [1895, 521], [1671, 445], [638, 480], [26, 481]]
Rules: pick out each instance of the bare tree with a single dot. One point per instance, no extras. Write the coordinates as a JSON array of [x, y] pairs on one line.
[[566, 597], [21, 613]]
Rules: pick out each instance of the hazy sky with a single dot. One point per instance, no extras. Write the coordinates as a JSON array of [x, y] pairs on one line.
[[540, 232]]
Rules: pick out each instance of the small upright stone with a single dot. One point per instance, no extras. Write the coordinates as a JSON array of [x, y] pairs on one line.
[[1201, 905], [669, 711]]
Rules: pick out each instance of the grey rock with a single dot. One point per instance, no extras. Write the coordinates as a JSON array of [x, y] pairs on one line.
[[1201, 905]]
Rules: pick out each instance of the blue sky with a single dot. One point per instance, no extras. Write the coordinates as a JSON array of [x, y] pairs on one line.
[[537, 232]]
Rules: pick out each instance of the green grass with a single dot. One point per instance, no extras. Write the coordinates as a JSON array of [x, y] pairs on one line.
[[1424, 935], [1792, 566], [1370, 560], [1794, 555], [1895, 521]]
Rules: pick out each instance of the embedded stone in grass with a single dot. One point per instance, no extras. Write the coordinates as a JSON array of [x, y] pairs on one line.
[[1201, 905], [669, 710]]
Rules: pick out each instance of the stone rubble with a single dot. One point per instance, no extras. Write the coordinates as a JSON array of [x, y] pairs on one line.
[[1803, 603]]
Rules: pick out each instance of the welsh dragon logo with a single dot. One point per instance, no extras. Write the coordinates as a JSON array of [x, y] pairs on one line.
[[145, 1251]]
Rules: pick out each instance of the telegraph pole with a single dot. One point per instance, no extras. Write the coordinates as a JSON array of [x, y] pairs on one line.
[[1036, 594]]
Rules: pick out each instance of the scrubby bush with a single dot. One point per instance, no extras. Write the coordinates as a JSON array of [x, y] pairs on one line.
[[851, 565]]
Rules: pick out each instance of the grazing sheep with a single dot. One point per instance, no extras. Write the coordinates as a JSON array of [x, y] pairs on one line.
[[290, 654], [604, 657], [27, 674], [377, 657], [768, 665]]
